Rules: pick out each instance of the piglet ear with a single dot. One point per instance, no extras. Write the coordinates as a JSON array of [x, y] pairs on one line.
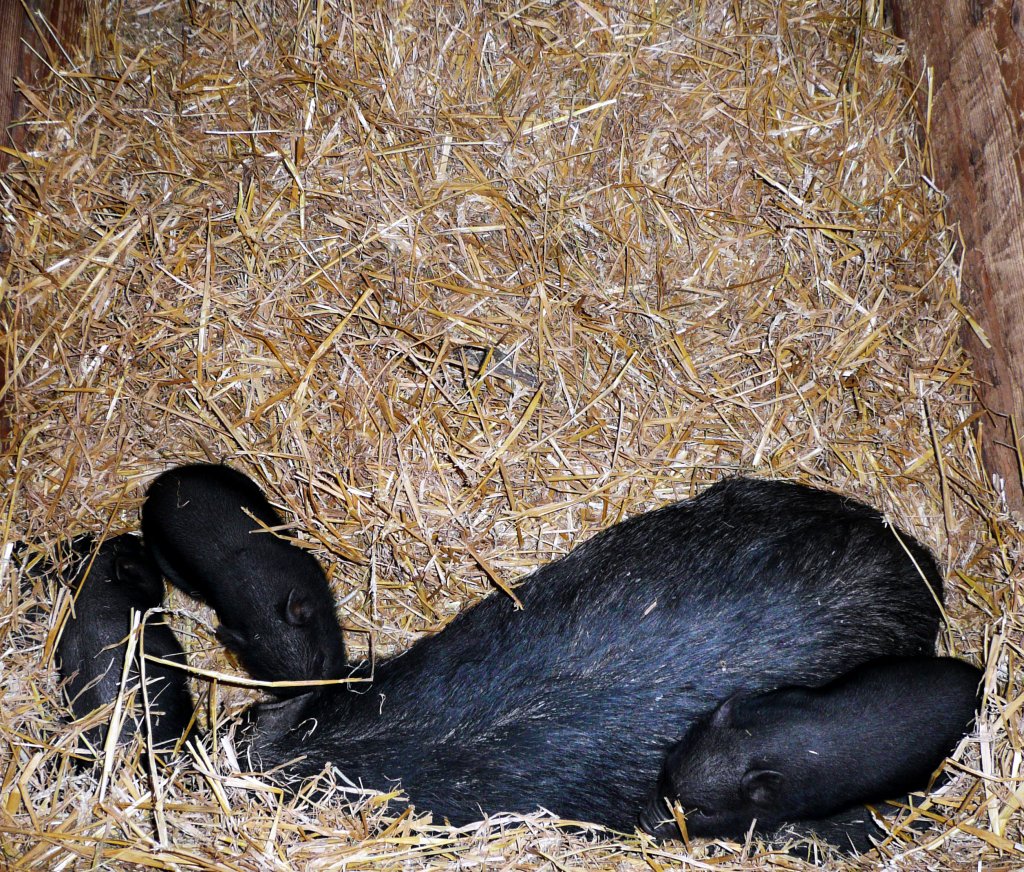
[[763, 787], [136, 573], [298, 611], [231, 639]]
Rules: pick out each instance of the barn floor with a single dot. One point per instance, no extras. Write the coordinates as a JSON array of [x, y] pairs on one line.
[[462, 284]]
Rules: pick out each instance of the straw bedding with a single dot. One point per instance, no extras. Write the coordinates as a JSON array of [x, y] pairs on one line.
[[461, 284]]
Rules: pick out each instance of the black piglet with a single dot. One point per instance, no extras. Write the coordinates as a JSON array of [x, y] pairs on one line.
[[205, 526], [109, 583], [807, 753]]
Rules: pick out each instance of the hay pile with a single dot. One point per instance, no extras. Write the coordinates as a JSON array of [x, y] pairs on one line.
[[462, 284]]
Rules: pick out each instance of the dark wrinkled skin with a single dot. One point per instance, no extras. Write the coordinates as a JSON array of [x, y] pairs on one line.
[[572, 703], [202, 524], [802, 753], [91, 651]]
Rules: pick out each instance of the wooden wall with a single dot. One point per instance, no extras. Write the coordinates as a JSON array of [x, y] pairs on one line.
[[32, 34], [975, 51]]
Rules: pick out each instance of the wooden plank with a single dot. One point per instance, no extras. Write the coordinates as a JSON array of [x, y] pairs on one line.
[[975, 49], [28, 31]]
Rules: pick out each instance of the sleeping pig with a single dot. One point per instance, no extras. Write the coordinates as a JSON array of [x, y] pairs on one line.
[[110, 581], [571, 702], [808, 753]]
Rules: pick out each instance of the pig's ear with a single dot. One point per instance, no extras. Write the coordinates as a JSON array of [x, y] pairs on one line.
[[723, 714], [298, 611], [136, 573], [231, 639], [763, 787]]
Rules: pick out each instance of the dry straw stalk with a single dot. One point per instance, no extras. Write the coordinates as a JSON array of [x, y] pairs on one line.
[[461, 284]]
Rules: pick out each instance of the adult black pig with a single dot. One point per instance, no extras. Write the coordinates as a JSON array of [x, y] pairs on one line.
[[571, 703]]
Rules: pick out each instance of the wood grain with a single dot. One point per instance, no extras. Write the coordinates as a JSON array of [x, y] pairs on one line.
[[975, 49], [29, 31]]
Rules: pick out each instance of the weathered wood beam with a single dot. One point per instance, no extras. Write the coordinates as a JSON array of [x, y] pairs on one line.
[[33, 34], [974, 50], [30, 31]]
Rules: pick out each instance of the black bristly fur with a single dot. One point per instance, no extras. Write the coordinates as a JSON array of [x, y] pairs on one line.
[[801, 754], [202, 524], [572, 703], [91, 651]]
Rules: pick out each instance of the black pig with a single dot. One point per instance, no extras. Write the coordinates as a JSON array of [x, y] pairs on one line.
[[572, 703], [802, 753], [202, 524], [90, 654]]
